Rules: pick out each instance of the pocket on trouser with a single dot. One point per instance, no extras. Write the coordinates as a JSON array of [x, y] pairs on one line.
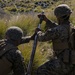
[[66, 56], [73, 57], [69, 57]]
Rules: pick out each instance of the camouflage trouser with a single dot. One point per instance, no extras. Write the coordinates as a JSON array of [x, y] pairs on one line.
[[55, 67]]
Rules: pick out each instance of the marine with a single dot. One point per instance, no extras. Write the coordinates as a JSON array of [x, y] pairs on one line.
[[11, 59], [63, 62]]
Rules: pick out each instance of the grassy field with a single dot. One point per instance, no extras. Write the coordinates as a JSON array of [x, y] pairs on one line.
[[21, 6], [28, 22]]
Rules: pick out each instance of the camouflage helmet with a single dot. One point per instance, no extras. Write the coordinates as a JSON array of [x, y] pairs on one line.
[[62, 10], [14, 33]]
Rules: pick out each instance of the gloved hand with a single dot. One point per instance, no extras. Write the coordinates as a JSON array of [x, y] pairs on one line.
[[33, 36], [43, 17], [37, 30]]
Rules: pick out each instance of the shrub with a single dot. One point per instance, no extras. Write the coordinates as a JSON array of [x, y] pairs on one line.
[[3, 27], [11, 9]]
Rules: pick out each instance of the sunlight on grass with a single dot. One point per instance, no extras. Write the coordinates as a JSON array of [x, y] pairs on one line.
[[29, 22], [3, 27]]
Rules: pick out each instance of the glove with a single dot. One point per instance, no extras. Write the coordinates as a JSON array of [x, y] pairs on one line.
[[33, 36], [37, 30], [43, 17]]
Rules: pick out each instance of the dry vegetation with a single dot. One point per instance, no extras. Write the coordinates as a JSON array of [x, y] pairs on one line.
[[28, 22]]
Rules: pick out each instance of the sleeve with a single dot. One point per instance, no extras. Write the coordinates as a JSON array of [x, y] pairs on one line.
[[50, 24], [25, 39], [18, 66], [53, 33]]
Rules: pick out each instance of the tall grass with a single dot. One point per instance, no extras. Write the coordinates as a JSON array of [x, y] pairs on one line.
[[43, 51], [28, 22], [3, 27]]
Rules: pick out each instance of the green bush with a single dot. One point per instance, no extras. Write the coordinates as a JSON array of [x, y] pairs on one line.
[[3, 27], [11, 9]]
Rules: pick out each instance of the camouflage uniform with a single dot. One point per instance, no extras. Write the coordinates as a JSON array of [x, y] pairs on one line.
[[13, 58], [61, 63], [17, 60]]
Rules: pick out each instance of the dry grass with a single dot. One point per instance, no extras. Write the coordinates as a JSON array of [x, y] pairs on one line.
[[28, 22]]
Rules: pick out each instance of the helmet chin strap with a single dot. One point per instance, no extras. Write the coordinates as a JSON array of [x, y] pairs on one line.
[[63, 19], [66, 17]]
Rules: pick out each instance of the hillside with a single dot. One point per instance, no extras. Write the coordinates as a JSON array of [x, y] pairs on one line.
[[21, 6], [9, 7], [23, 13]]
